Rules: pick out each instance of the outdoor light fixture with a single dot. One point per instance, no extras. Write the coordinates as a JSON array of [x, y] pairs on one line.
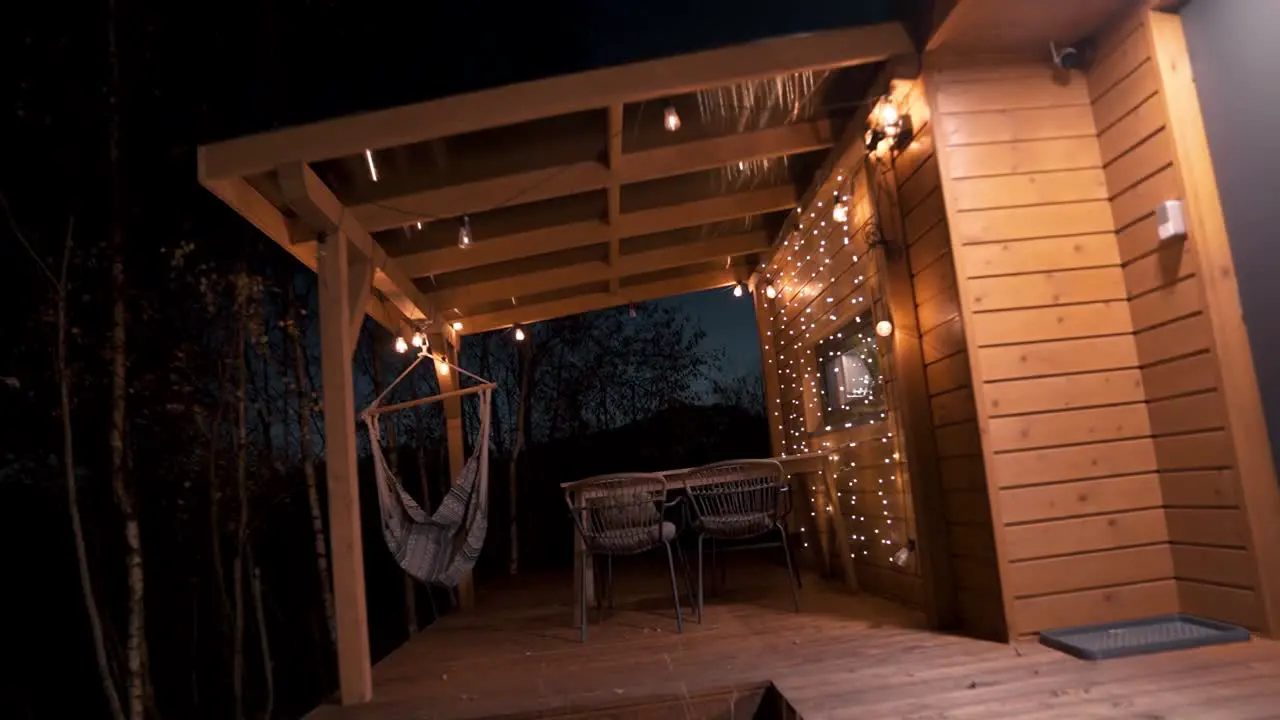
[[884, 328], [770, 292], [887, 128], [840, 211], [464, 233], [457, 325], [373, 169], [418, 340], [519, 333], [737, 290], [903, 554], [671, 118], [401, 345]]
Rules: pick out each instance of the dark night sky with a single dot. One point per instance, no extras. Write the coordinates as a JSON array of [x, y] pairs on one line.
[[730, 324]]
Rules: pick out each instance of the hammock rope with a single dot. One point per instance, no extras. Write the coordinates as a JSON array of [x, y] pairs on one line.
[[440, 548]]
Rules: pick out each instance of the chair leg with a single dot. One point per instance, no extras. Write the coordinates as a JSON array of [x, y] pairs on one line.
[[675, 590], [582, 605], [608, 573], [792, 579], [600, 583], [698, 601], [684, 568]]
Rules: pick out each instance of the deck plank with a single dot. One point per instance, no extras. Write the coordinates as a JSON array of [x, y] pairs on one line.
[[844, 656]]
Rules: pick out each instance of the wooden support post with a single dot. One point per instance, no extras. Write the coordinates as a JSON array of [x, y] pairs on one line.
[[338, 306], [839, 528], [913, 408], [454, 431]]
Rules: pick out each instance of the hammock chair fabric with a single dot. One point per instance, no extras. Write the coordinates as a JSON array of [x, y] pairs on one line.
[[441, 548]]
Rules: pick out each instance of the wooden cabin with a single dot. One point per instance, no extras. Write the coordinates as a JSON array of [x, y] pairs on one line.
[[1062, 423]]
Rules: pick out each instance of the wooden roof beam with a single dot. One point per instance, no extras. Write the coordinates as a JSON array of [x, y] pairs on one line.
[[589, 90], [320, 209], [565, 237], [598, 301], [516, 286], [614, 127], [294, 237], [581, 177]]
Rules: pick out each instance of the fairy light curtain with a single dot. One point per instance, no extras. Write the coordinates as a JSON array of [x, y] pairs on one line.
[[824, 302]]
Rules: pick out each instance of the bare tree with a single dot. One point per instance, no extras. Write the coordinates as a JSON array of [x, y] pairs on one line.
[[62, 369], [126, 500], [306, 406]]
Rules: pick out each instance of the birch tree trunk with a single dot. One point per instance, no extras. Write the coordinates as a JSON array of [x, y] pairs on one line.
[[305, 405], [73, 500], [242, 496], [135, 651], [264, 640]]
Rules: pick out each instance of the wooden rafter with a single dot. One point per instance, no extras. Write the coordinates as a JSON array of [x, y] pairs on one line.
[[514, 104], [565, 237], [321, 210], [581, 177], [599, 301], [614, 201], [615, 270]]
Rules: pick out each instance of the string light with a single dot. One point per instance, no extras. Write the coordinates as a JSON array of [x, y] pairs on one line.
[[419, 340], [464, 232], [818, 280], [373, 169], [737, 290], [457, 325], [401, 345], [671, 118], [519, 333]]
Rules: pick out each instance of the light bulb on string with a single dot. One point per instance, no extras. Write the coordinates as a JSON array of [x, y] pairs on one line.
[[519, 333], [631, 310], [770, 292], [418, 340], [884, 328], [671, 118], [737, 290], [401, 345], [464, 233], [457, 325]]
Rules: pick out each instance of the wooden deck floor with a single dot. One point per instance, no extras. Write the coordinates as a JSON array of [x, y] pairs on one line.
[[516, 656]]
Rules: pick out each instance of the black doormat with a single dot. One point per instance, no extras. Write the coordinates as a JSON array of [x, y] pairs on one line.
[[1142, 637]]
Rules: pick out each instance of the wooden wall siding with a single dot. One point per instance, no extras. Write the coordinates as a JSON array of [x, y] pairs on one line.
[[1196, 470], [967, 513], [1058, 386], [823, 282]]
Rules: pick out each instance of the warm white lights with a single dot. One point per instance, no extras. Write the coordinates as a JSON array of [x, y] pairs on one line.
[[464, 233], [884, 328], [457, 325], [737, 290], [840, 212], [671, 119], [373, 169], [401, 345], [418, 340], [770, 292], [519, 333]]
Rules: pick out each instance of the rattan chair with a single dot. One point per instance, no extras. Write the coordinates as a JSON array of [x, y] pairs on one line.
[[740, 500], [623, 514]]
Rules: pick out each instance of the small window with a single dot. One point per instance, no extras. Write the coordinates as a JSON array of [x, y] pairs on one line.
[[852, 387]]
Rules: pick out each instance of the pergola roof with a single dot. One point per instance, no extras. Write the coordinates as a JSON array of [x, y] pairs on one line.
[[577, 197]]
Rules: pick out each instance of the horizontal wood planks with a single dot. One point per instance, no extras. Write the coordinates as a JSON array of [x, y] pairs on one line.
[[976, 578], [1069, 444], [1193, 457]]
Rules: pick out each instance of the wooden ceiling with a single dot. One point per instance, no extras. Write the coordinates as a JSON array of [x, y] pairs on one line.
[[1022, 26], [576, 195]]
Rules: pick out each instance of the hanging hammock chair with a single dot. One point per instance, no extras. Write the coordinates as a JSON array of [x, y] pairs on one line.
[[441, 548]]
